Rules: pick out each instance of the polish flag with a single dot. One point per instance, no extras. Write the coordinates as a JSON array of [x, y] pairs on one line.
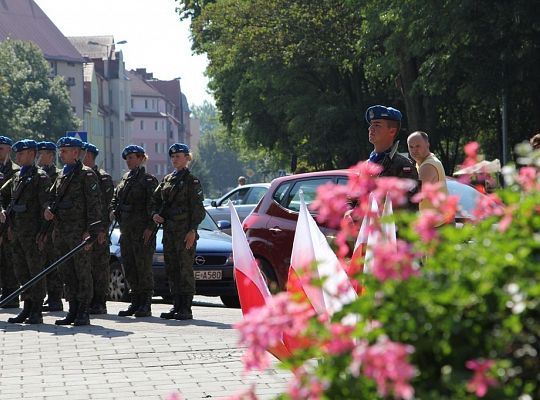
[[250, 284], [310, 248]]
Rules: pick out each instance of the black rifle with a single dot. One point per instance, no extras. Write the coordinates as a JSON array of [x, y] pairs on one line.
[[121, 202], [86, 241], [166, 205], [16, 195], [53, 207]]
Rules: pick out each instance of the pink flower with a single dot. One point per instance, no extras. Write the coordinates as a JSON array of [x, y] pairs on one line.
[[425, 225], [174, 396], [488, 206], [386, 363], [331, 203], [528, 179], [431, 192], [394, 261], [341, 340], [397, 190], [263, 327], [306, 387], [480, 382], [248, 394]]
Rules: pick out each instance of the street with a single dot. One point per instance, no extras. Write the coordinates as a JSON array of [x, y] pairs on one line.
[[128, 358]]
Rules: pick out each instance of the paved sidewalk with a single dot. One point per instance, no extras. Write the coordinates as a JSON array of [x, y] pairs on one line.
[[128, 358]]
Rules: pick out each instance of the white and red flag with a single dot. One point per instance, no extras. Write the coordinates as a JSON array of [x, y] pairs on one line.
[[252, 289]]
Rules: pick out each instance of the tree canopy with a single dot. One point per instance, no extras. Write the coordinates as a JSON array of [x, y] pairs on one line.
[[33, 104], [295, 77]]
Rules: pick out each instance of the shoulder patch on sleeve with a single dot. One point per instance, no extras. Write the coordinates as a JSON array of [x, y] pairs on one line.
[[196, 181], [89, 173], [149, 178]]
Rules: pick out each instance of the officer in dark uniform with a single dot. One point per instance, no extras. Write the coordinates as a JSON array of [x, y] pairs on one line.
[[100, 248], [8, 280], [27, 193], [384, 124], [74, 207], [55, 287], [178, 205], [132, 209]]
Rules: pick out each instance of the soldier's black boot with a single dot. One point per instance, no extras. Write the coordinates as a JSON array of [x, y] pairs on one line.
[[13, 303], [53, 303], [25, 313], [36, 314], [134, 306], [173, 310], [185, 308], [145, 308], [71, 315], [83, 318]]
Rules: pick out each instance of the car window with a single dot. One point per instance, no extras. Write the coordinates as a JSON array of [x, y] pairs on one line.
[[280, 192], [208, 224], [237, 197], [255, 194], [309, 187], [342, 180]]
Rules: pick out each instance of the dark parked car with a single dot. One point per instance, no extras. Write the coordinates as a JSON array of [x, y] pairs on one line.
[[213, 266], [271, 226]]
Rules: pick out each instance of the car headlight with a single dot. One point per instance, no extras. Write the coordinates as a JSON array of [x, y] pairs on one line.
[[158, 258], [230, 260]]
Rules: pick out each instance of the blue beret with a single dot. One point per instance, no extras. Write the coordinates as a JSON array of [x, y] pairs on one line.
[[90, 148], [132, 148], [382, 112], [46, 146], [25, 144], [178, 148], [68, 141], [6, 140]]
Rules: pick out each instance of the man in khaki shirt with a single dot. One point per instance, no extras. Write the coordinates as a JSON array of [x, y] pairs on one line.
[[430, 169]]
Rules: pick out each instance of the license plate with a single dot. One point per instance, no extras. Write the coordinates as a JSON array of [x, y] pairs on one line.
[[208, 275]]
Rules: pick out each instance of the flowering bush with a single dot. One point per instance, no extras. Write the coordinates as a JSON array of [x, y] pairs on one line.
[[445, 313]]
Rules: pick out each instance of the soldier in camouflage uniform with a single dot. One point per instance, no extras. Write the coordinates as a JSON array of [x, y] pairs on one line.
[[55, 286], [178, 205], [8, 280], [27, 193], [132, 209], [74, 207], [100, 248]]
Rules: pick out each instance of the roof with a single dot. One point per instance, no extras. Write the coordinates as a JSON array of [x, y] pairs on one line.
[[139, 87], [170, 89], [24, 20], [105, 45]]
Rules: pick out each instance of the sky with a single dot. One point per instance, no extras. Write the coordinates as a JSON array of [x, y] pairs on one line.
[[156, 38]]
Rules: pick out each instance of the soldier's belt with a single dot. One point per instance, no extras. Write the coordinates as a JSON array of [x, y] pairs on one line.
[[19, 208]]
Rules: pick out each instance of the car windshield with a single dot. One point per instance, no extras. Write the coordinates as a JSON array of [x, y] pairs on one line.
[[208, 224]]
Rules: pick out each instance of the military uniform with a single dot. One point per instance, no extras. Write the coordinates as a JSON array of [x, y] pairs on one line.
[[100, 252], [75, 210], [132, 208], [8, 280], [30, 185], [55, 286], [179, 200]]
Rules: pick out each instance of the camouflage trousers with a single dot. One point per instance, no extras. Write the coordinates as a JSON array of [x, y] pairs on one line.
[[137, 261], [100, 272], [179, 263], [8, 280], [28, 261], [77, 271]]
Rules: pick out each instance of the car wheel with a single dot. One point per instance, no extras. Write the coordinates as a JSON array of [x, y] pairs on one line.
[[269, 275], [118, 286], [230, 301]]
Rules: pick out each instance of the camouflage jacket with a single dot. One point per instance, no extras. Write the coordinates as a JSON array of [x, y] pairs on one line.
[[179, 199], [26, 213], [75, 200], [52, 171], [106, 187], [6, 172], [131, 201]]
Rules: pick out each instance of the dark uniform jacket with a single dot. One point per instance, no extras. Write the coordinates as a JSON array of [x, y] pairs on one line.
[[52, 171], [6, 172], [131, 201], [26, 212], [106, 187], [77, 205], [179, 199]]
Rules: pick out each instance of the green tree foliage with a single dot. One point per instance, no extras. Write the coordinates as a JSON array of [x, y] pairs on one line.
[[297, 76], [33, 105]]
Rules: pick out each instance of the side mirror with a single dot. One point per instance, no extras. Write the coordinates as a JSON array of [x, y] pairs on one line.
[[222, 225], [213, 203]]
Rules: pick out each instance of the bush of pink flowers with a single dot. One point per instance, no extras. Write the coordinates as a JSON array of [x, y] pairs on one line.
[[447, 313]]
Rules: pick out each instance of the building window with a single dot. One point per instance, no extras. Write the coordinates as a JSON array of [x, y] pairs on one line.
[[155, 125], [132, 103], [70, 81], [145, 104], [111, 129], [153, 104], [156, 147], [142, 124]]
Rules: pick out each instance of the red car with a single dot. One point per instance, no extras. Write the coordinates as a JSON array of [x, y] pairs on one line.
[[271, 225]]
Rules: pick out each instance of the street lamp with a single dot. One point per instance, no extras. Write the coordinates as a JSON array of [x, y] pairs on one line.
[[108, 46]]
